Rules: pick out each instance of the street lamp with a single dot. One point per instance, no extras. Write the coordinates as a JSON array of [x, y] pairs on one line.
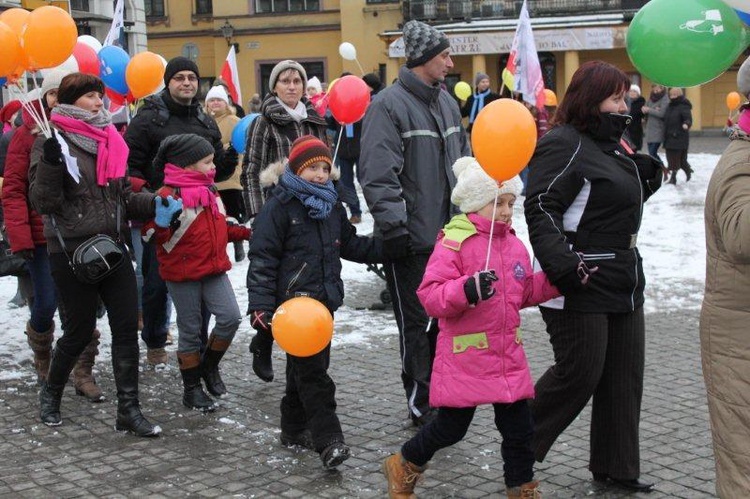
[[227, 31]]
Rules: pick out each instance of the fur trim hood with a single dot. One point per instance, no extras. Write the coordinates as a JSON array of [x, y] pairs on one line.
[[269, 176]]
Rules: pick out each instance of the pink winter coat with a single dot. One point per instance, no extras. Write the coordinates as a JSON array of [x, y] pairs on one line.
[[480, 357]]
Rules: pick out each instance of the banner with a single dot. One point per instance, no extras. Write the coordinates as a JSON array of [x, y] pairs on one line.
[[231, 76], [523, 73], [113, 37]]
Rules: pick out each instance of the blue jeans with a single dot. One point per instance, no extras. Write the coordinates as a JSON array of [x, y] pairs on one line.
[[347, 189], [45, 294], [653, 149]]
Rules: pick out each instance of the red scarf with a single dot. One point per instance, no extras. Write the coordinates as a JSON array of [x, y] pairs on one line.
[[194, 187], [112, 151]]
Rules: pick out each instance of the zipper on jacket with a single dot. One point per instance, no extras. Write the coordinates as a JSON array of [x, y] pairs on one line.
[[637, 229], [295, 277]]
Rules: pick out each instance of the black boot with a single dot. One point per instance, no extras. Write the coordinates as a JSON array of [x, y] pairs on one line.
[[193, 396], [260, 347], [52, 389], [239, 251], [129, 417], [673, 177], [688, 173], [215, 350]]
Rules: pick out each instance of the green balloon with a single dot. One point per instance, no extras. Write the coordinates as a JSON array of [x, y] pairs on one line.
[[687, 42]]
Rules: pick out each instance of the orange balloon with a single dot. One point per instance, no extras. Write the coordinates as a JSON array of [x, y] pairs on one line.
[[302, 326], [734, 100], [49, 37], [15, 18], [144, 73], [503, 138], [10, 50], [550, 99]]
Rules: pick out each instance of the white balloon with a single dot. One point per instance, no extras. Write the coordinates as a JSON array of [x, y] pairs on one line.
[[91, 42], [70, 65], [348, 51], [163, 60], [743, 5]]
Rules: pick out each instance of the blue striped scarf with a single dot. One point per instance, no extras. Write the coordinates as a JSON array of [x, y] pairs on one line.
[[317, 198]]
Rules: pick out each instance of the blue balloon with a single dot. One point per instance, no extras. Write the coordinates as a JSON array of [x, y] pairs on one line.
[[744, 16], [239, 134], [3, 81], [112, 64]]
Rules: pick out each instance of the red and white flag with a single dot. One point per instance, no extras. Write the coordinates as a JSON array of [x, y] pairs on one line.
[[523, 73], [231, 76]]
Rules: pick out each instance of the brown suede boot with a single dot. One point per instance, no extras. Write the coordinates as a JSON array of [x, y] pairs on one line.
[[41, 346], [529, 490], [83, 378], [402, 476]]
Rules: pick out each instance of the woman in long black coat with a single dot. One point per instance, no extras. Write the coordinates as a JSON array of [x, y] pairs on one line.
[[677, 122]]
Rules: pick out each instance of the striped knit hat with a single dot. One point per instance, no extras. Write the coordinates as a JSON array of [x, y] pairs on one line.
[[308, 150]]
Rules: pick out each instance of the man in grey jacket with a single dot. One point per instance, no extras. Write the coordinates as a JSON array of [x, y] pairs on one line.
[[411, 136]]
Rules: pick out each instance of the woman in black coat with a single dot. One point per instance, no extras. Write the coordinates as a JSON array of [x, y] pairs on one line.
[[584, 205], [677, 122], [635, 129]]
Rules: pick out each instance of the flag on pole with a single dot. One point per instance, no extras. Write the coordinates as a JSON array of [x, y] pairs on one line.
[[523, 73], [113, 37], [231, 76]]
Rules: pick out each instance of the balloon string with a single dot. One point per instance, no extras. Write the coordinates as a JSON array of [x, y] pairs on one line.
[[29, 108], [492, 230], [360, 66], [338, 142], [46, 128]]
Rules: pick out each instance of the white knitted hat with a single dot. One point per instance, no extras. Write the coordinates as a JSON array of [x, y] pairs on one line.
[[635, 88], [475, 189], [315, 83], [217, 92]]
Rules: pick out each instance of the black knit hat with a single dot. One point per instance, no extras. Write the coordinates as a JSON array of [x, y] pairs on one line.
[[75, 85], [177, 64], [422, 42], [372, 80], [182, 150]]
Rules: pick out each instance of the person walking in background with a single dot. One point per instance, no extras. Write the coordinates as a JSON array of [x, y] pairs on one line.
[[584, 207], [254, 104], [285, 116], [191, 248], [174, 110], [99, 201], [725, 349], [654, 111], [411, 135], [482, 96], [677, 122], [230, 190], [467, 295], [635, 110], [300, 236]]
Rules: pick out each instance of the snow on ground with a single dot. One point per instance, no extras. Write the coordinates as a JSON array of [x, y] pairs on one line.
[[671, 241]]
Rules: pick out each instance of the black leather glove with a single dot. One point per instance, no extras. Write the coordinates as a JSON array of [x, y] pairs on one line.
[[231, 157], [261, 320], [52, 151], [480, 286], [397, 248], [576, 280], [26, 254]]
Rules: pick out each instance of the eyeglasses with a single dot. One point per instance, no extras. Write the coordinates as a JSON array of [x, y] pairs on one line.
[[182, 78]]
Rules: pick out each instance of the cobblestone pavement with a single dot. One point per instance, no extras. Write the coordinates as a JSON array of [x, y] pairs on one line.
[[235, 452]]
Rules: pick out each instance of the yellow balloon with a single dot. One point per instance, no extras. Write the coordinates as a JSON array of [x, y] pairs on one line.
[[462, 90]]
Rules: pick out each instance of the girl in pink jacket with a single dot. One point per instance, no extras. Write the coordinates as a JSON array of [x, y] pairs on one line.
[[479, 357]]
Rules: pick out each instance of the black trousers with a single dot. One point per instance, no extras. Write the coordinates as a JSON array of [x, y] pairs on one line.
[[310, 399], [79, 301], [677, 160], [233, 203], [450, 426], [599, 355], [417, 334]]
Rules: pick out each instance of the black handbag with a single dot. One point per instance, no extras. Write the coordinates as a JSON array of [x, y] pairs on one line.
[[97, 257], [10, 263]]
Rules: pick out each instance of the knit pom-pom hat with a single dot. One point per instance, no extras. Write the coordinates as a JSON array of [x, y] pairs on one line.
[[308, 150], [182, 150], [475, 189]]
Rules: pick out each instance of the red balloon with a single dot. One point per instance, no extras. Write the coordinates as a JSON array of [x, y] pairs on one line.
[[348, 99], [86, 58], [116, 101]]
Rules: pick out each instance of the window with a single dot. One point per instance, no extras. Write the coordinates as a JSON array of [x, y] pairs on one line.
[[381, 1], [79, 5], [154, 8], [203, 7], [279, 6], [312, 68]]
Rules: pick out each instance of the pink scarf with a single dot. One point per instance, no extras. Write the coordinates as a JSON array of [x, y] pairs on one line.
[[112, 151], [194, 187], [744, 121]]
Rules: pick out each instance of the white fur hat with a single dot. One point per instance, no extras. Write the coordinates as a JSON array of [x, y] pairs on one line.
[[314, 82], [635, 88], [217, 92], [474, 188]]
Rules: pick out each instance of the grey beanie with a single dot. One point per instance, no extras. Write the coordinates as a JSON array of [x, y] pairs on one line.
[[743, 78], [182, 150], [422, 42], [177, 64], [283, 66], [479, 77]]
